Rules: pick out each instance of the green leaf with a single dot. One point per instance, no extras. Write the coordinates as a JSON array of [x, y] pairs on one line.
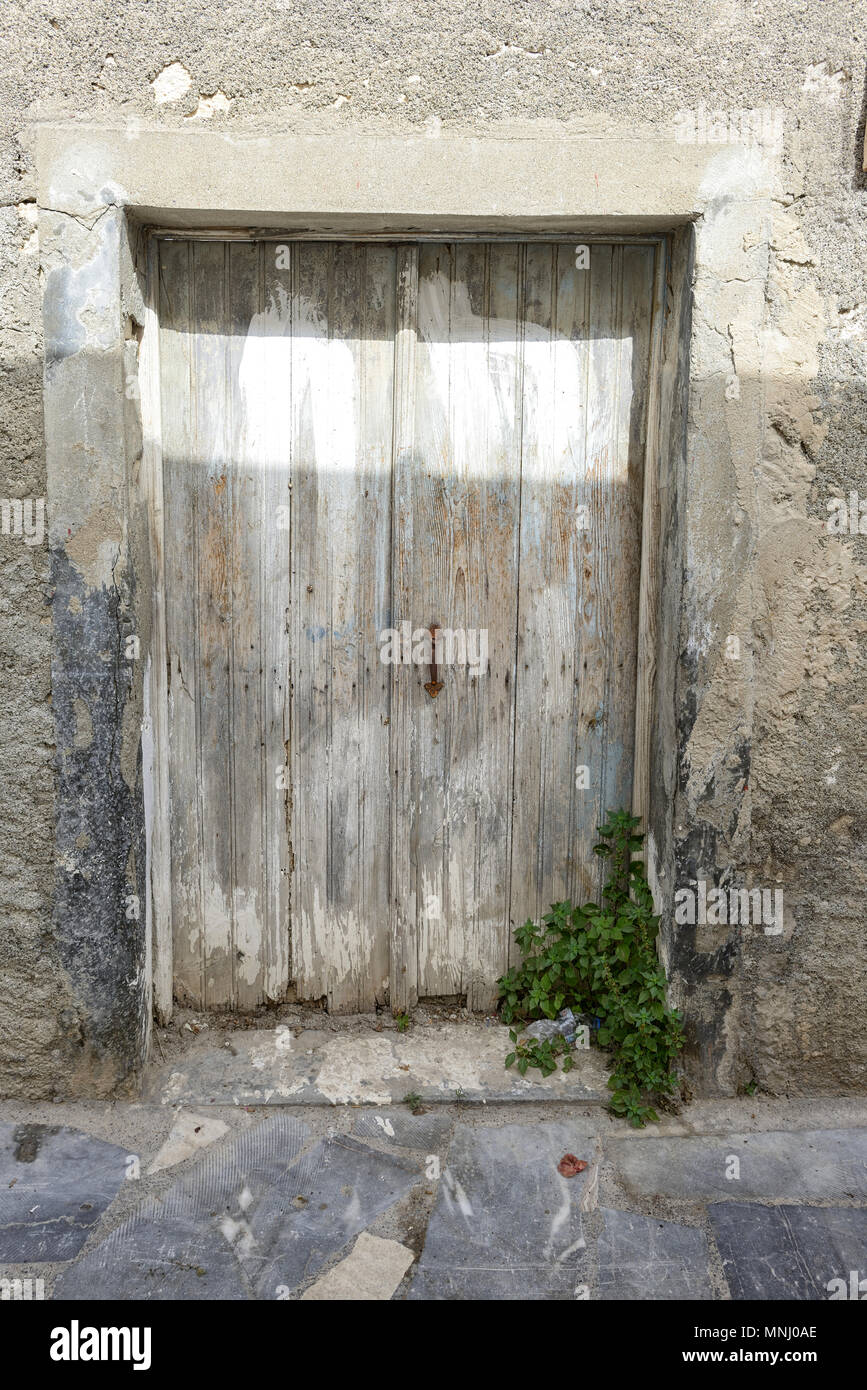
[[601, 957]]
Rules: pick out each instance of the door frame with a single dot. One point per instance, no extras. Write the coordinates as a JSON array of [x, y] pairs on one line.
[[155, 726], [100, 185]]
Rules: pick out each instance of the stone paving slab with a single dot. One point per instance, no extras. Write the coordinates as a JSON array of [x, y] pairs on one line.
[[189, 1134], [775, 1164], [440, 1063], [325, 1200], [161, 1254], [252, 1220], [55, 1184], [371, 1272], [183, 1246], [643, 1258], [505, 1223], [789, 1252]]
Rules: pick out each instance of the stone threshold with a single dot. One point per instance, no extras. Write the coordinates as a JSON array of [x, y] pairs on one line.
[[438, 1063]]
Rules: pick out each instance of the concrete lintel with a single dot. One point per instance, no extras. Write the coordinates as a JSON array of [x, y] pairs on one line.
[[367, 181]]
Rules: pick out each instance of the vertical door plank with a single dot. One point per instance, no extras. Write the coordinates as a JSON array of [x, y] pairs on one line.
[[180, 478], [246, 582], [403, 952], [155, 740], [651, 540], [336, 603], [342, 396], [373, 536], [312, 945], [270, 373], [465, 506], [214, 610], [438, 594], [552, 464], [584, 408], [600, 552], [584, 536], [627, 451], [494, 545]]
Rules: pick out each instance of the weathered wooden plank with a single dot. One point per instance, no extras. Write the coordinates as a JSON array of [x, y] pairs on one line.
[[403, 947], [651, 540], [155, 733], [336, 598], [600, 554], [180, 488], [548, 597], [213, 521], [584, 406], [628, 442], [268, 372], [246, 583], [465, 506], [495, 542], [342, 381], [439, 811], [586, 537], [309, 614], [373, 525], [233, 901], [361, 336]]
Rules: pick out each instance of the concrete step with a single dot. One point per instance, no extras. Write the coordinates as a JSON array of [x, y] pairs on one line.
[[439, 1063]]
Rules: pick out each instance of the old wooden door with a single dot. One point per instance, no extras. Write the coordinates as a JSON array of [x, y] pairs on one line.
[[362, 442]]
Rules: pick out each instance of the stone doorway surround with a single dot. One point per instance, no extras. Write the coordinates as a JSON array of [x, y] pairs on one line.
[[100, 190]]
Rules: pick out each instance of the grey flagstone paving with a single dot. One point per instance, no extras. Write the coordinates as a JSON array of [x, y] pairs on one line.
[[641, 1257], [505, 1223], [788, 1252], [55, 1184], [253, 1219]]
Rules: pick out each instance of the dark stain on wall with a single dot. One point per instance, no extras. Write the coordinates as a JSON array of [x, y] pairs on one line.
[[100, 825]]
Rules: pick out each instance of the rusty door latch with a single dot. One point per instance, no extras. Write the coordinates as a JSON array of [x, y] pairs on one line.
[[433, 686]]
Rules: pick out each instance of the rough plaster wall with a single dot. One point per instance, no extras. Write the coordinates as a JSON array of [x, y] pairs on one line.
[[770, 792], [788, 726]]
